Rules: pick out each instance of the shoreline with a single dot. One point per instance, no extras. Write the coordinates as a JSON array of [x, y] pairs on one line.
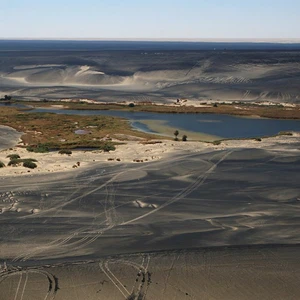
[[271, 110]]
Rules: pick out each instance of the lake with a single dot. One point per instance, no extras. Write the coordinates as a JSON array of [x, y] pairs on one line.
[[212, 126]]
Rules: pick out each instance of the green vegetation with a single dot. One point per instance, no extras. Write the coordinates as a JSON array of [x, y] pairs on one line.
[[42, 134], [184, 138], [108, 147], [131, 105], [29, 164], [65, 151], [16, 162], [176, 133], [216, 143], [13, 156], [258, 139], [6, 98], [2, 165], [39, 148]]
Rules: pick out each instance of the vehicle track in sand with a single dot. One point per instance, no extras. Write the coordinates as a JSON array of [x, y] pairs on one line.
[[112, 219], [51, 279]]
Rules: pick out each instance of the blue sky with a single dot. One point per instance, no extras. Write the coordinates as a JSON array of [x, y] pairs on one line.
[[150, 19]]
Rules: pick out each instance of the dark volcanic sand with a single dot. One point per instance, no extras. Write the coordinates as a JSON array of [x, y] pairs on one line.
[[217, 199], [141, 72], [191, 200]]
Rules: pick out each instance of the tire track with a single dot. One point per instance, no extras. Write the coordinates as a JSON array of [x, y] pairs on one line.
[[112, 216], [52, 282], [113, 282], [18, 287], [24, 287], [199, 181]]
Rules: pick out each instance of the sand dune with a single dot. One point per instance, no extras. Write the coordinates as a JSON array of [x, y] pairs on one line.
[[162, 221], [98, 230], [134, 76]]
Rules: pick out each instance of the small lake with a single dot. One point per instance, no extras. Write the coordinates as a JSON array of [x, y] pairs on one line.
[[215, 125]]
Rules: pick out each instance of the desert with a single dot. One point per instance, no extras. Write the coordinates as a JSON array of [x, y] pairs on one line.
[[118, 205]]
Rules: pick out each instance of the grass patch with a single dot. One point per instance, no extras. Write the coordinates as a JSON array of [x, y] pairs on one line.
[[108, 147], [49, 135], [39, 148]]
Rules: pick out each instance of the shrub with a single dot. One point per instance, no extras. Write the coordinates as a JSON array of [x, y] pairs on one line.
[[15, 162], [176, 139], [285, 133], [40, 148], [29, 159], [215, 105], [108, 147], [258, 139], [13, 156], [131, 104], [216, 142], [29, 164], [184, 138], [30, 149], [2, 165], [65, 151]]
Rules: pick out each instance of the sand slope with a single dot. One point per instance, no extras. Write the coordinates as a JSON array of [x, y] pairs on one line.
[[155, 76]]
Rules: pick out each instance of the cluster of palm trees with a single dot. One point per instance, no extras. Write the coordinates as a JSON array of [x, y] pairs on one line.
[[6, 98], [176, 133]]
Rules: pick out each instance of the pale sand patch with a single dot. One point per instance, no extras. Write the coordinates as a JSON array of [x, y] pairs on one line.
[[135, 152], [52, 162], [58, 106]]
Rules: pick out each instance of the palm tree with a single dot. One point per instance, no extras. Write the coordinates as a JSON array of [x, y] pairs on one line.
[[176, 132]]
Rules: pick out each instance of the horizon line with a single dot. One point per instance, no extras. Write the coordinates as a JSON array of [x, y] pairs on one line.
[[191, 40]]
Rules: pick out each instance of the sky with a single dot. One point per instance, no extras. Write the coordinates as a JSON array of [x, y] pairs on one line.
[[152, 19]]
